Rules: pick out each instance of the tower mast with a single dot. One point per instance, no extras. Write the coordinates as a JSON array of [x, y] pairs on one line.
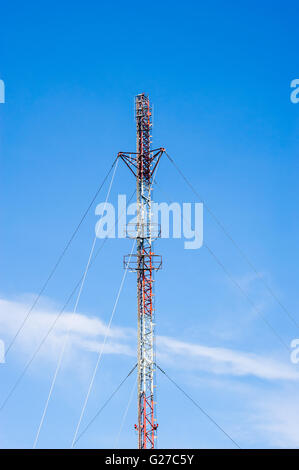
[[143, 164], [146, 407]]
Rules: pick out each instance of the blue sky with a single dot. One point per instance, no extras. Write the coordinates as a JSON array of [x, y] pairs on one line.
[[219, 78]]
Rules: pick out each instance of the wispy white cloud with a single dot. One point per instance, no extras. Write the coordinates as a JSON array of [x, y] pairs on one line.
[[263, 416], [224, 361], [270, 418], [87, 333], [276, 417]]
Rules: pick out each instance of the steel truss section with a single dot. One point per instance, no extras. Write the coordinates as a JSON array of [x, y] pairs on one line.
[[153, 262], [143, 164]]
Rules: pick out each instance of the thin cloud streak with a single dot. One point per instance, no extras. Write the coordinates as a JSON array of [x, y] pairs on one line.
[[223, 361], [87, 333]]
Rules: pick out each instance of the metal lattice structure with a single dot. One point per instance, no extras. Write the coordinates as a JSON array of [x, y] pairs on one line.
[[143, 164]]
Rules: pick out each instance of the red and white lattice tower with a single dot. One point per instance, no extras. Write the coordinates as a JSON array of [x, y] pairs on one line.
[[143, 164]]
